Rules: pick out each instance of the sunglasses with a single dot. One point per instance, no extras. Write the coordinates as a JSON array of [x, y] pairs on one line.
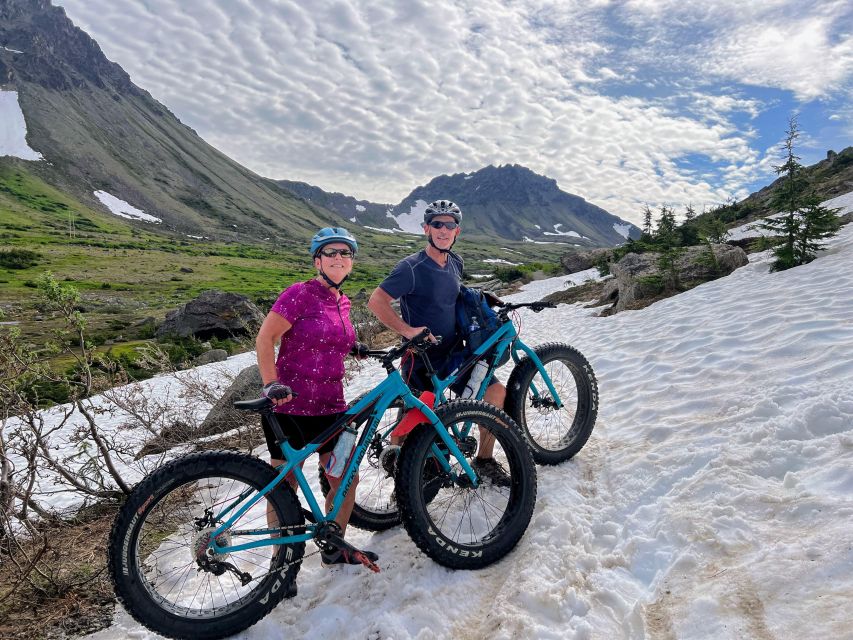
[[331, 253], [438, 224]]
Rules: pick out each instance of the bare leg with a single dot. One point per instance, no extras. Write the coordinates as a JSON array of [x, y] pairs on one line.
[[495, 395], [272, 520], [349, 500]]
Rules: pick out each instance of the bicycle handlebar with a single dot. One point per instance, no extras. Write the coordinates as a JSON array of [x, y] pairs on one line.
[[419, 343], [536, 307]]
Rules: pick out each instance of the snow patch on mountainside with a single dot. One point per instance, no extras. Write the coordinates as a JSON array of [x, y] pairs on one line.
[[13, 128], [121, 208]]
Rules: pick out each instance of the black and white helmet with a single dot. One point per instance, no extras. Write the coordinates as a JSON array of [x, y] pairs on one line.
[[442, 208]]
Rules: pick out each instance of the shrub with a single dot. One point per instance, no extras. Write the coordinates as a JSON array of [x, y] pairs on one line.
[[508, 274], [18, 258]]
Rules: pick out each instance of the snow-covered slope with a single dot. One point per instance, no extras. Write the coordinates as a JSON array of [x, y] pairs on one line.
[[13, 128], [712, 501]]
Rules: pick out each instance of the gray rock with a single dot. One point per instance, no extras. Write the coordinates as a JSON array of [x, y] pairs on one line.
[[223, 416], [630, 272], [583, 260], [639, 276], [208, 357], [213, 313]]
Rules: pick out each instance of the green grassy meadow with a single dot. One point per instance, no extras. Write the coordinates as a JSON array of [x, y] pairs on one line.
[[127, 273]]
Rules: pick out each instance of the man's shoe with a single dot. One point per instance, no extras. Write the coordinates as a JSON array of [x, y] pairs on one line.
[[491, 469]]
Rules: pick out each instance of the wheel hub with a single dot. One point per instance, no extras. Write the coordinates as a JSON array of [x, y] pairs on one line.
[[388, 459], [200, 546], [544, 404]]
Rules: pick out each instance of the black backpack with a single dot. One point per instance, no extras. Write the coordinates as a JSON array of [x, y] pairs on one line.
[[476, 321]]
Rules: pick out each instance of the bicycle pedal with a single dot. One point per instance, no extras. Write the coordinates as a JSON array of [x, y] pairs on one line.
[[367, 562]]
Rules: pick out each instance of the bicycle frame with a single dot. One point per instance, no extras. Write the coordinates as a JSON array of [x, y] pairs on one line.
[[506, 337], [376, 402]]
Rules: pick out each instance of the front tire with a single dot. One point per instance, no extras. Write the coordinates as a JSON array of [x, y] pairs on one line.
[[457, 525], [555, 435], [158, 534]]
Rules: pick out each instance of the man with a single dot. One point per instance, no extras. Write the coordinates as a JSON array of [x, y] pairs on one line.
[[427, 285]]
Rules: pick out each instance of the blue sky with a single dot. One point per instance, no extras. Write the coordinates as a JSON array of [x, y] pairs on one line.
[[623, 103]]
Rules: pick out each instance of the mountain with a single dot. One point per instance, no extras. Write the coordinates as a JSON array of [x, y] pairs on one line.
[[97, 131], [510, 202], [362, 212], [513, 202]]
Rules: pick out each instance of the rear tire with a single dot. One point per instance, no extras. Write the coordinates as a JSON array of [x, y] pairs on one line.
[[459, 526], [155, 538], [554, 435], [375, 506]]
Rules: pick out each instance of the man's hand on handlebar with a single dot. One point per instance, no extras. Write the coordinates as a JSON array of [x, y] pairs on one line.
[[414, 332]]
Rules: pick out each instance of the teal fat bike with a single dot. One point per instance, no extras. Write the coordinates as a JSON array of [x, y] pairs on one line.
[[552, 395], [210, 543]]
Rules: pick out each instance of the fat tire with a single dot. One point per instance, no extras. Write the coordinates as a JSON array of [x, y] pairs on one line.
[[576, 434], [122, 559], [414, 500]]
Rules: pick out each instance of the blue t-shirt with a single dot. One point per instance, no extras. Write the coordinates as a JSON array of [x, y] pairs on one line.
[[427, 293]]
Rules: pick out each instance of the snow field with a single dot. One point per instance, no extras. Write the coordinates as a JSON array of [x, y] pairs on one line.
[[713, 499]]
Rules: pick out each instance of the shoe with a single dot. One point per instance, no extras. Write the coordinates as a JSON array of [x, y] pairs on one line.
[[345, 556], [291, 590], [491, 469]]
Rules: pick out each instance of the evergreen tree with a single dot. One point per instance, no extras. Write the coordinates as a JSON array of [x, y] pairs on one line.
[[714, 230], [690, 213], [802, 223], [817, 223], [647, 221], [665, 233], [787, 201]]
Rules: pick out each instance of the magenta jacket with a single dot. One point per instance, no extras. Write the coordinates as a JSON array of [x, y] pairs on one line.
[[311, 357]]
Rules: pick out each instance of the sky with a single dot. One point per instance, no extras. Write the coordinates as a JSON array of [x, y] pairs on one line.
[[712, 500], [622, 102]]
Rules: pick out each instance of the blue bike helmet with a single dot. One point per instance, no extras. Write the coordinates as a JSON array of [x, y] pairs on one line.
[[328, 235]]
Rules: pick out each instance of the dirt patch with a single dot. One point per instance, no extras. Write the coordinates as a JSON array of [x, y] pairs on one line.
[[68, 593]]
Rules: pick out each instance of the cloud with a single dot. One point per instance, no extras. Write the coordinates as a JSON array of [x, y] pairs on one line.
[[368, 99]]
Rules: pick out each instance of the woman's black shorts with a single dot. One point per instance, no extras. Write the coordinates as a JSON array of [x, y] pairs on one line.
[[300, 430]]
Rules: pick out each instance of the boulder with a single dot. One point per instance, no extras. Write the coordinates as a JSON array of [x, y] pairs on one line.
[[583, 260], [639, 276], [209, 357], [223, 416], [633, 275], [213, 313], [695, 264]]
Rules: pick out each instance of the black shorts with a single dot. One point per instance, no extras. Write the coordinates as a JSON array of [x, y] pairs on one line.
[[300, 430], [416, 377]]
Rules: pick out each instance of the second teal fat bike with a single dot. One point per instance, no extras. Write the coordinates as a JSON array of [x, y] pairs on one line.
[[209, 543], [552, 395]]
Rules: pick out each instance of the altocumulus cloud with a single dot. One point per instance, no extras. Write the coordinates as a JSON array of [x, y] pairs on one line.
[[622, 103]]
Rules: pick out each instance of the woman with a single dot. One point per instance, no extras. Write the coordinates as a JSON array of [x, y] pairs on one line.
[[311, 319]]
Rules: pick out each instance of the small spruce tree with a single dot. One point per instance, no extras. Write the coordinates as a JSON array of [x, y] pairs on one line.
[[665, 234], [647, 221], [817, 223], [802, 222]]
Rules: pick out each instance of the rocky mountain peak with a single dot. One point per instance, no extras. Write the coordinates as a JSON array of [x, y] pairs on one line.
[[40, 44]]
